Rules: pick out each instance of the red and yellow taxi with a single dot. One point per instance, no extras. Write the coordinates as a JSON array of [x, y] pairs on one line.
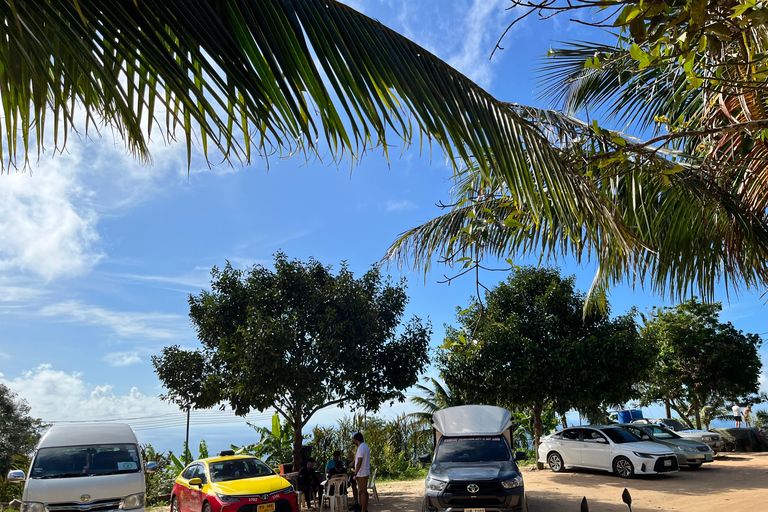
[[232, 483]]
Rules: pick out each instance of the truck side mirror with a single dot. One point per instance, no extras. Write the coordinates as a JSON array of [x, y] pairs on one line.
[[152, 467], [521, 456], [16, 476], [425, 459]]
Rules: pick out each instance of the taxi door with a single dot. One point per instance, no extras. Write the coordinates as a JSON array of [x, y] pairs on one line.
[[196, 495]]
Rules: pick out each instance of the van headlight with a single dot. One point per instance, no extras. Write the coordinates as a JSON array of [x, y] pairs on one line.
[[435, 485], [32, 506], [513, 482], [132, 501]]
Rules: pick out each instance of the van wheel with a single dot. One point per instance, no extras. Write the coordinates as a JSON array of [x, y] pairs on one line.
[[623, 467], [174, 504], [555, 462]]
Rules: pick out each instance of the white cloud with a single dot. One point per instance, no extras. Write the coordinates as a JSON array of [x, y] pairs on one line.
[[58, 396], [42, 229], [122, 358], [763, 380], [473, 58], [126, 324], [399, 206], [3, 355]]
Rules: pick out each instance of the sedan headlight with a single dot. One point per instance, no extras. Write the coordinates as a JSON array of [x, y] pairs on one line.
[[686, 449], [32, 506], [512, 482], [228, 499], [435, 485], [706, 438], [643, 455], [132, 501]]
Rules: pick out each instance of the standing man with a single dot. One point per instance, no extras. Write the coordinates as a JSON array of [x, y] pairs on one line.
[[362, 469], [748, 416], [737, 415]]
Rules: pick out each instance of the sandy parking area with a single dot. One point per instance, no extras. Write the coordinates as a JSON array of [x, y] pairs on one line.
[[734, 482]]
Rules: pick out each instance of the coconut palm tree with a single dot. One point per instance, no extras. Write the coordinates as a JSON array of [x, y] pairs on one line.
[[260, 78], [438, 396]]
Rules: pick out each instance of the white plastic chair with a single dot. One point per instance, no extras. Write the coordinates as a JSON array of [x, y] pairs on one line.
[[336, 494], [372, 486]]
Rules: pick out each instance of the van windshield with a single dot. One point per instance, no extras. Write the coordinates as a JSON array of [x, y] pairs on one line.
[[89, 460], [472, 449]]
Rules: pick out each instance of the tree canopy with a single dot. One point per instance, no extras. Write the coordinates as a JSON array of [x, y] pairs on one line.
[[19, 432], [297, 339], [701, 360], [529, 346]]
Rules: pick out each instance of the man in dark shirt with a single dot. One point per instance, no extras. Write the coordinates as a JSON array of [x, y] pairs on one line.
[[309, 483]]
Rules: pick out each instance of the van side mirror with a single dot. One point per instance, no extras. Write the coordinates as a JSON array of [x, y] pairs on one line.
[[152, 467], [16, 476], [196, 481], [425, 459], [521, 456]]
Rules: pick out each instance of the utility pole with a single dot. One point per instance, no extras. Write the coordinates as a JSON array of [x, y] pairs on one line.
[[186, 445]]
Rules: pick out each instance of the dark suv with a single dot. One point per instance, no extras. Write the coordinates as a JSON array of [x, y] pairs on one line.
[[474, 473]]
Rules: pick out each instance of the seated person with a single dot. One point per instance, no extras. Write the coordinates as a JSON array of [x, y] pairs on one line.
[[332, 463], [335, 471], [309, 482]]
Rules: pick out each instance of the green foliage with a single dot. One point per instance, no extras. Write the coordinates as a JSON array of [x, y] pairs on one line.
[[10, 491], [530, 346], [19, 432], [701, 360], [297, 339], [439, 396], [159, 484], [275, 445]]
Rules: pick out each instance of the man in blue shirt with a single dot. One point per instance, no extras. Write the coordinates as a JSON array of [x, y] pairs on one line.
[[332, 463]]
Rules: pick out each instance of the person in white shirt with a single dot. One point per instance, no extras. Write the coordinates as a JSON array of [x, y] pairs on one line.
[[737, 415], [362, 469]]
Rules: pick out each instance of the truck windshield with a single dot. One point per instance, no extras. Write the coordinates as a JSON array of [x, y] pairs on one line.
[[472, 449], [89, 460]]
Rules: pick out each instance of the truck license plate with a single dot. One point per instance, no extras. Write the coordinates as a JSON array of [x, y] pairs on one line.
[[666, 463], [267, 507], [474, 510]]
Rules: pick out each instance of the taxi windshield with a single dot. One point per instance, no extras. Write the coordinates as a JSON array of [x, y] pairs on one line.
[[237, 469]]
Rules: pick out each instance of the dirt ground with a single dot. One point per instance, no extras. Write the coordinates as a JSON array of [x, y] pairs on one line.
[[736, 481]]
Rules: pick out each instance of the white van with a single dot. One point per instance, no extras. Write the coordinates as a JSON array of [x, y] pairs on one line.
[[85, 468]]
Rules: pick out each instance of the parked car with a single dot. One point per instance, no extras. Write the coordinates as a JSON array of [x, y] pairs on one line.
[[605, 447], [689, 452], [238, 482], [85, 467], [474, 468], [714, 440]]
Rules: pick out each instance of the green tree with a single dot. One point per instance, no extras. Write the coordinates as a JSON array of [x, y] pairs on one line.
[[434, 398], [529, 346], [259, 77], [275, 444], [298, 339], [19, 432], [700, 358]]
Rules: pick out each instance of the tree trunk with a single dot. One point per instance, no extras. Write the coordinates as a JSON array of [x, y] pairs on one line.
[[537, 431], [697, 410], [564, 421], [667, 408], [297, 440]]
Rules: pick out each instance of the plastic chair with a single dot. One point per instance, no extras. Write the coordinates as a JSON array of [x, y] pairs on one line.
[[372, 486], [336, 494]]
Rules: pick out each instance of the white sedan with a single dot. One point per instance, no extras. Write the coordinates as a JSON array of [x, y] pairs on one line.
[[605, 447]]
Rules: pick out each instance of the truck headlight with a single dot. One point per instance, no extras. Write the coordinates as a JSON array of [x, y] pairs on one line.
[[230, 499], [435, 485], [132, 501], [706, 438], [32, 506], [513, 482]]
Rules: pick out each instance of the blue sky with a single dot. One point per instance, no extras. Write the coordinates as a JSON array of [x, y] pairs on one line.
[[98, 253]]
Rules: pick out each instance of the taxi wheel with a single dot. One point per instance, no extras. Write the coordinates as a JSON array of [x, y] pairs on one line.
[[206, 507], [174, 504]]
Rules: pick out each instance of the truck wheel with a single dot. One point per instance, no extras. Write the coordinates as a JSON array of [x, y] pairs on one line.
[[623, 467], [555, 462], [424, 505]]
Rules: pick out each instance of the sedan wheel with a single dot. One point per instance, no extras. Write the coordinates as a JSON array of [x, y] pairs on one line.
[[555, 462], [623, 467]]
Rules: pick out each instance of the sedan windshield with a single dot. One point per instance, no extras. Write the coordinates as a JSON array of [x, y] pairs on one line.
[[237, 469], [472, 449], [661, 433], [619, 436], [89, 460]]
